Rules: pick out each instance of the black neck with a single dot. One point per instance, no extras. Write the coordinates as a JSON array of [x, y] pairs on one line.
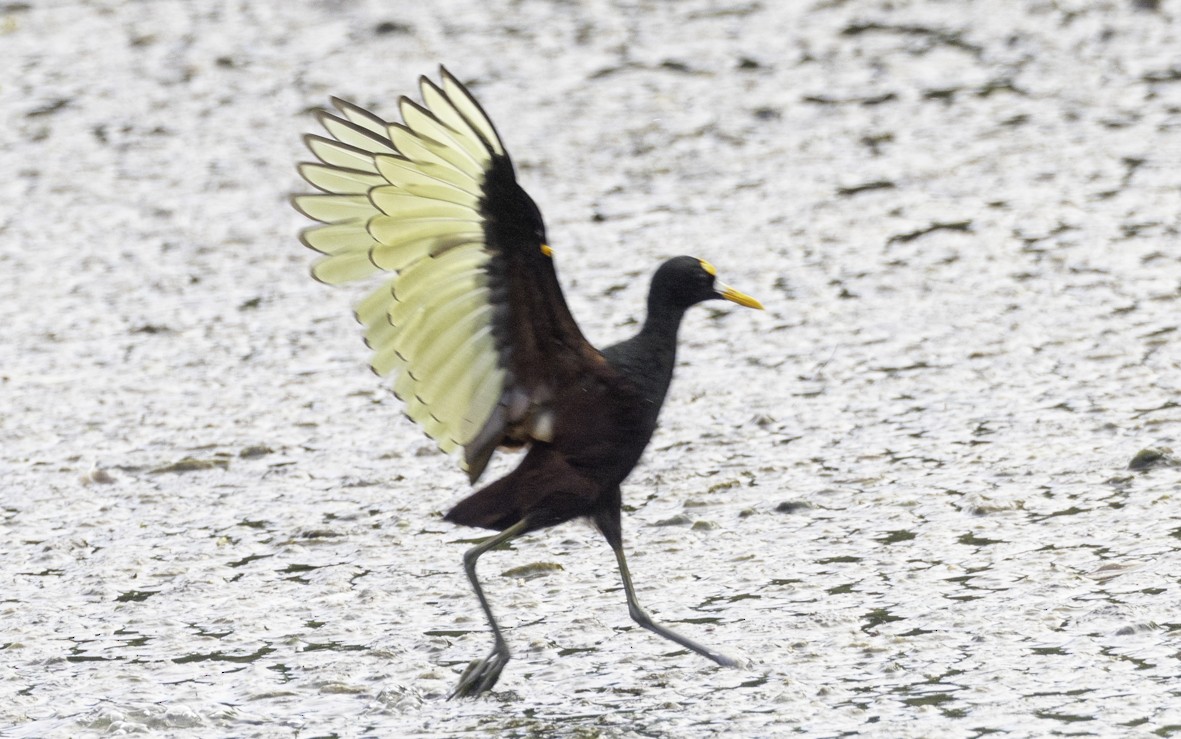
[[650, 355]]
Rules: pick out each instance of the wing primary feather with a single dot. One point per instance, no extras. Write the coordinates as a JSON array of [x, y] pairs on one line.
[[360, 116], [441, 292], [329, 208], [376, 305], [404, 254], [425, 274], [384, 361], [428, 154], [338, 180], [341, 268], [414, 179], [450, 388], [421, 343], [396, 202], [444, 346], [379, 333], [338, 154], [446, 140], [467, 137], [391, 231], [466, 106], [347, 132], [337, 238]]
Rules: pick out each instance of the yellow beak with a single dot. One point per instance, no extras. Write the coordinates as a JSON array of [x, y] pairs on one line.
[[734, 296]]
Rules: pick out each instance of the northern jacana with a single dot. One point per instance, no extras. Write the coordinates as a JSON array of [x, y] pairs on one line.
[[470, 320]]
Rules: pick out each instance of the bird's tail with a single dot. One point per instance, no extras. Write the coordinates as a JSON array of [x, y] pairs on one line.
[[544, 488], [491, 507]]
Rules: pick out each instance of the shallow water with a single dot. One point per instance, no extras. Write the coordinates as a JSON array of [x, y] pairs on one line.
[[900, 495]]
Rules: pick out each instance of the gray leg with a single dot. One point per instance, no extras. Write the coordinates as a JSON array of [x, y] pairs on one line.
[[482, 674], [643, 619]]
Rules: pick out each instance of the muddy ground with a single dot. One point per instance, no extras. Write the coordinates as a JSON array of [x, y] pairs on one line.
[[901, 495]]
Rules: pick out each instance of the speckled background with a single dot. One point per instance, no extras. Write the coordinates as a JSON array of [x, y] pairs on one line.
[[900, 495]]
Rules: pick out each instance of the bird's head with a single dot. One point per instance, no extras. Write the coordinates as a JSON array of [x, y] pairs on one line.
[[685, 281]]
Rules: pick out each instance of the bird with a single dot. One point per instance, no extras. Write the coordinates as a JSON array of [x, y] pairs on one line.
[[469, 320]]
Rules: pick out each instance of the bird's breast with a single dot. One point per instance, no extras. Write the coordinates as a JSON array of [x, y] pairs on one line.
[[602, 428]]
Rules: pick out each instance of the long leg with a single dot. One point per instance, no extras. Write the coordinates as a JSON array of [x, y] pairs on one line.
[[643, 619], [482, 674]]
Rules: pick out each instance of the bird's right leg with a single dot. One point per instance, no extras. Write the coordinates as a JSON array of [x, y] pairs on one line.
[[640, 616], [608, 522], [482, 674]]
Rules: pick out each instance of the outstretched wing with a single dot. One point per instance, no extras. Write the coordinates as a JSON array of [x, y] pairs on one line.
[[469, 317]]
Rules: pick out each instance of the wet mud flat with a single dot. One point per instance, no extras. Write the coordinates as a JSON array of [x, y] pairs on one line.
[[901, 496]]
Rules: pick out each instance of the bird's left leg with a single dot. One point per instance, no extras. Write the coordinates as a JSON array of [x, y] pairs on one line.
[[482, 674]]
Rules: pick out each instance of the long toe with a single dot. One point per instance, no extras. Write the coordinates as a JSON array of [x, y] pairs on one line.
[[480, 675]]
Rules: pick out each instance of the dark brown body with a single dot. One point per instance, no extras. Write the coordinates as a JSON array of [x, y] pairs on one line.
[[602, 426]]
